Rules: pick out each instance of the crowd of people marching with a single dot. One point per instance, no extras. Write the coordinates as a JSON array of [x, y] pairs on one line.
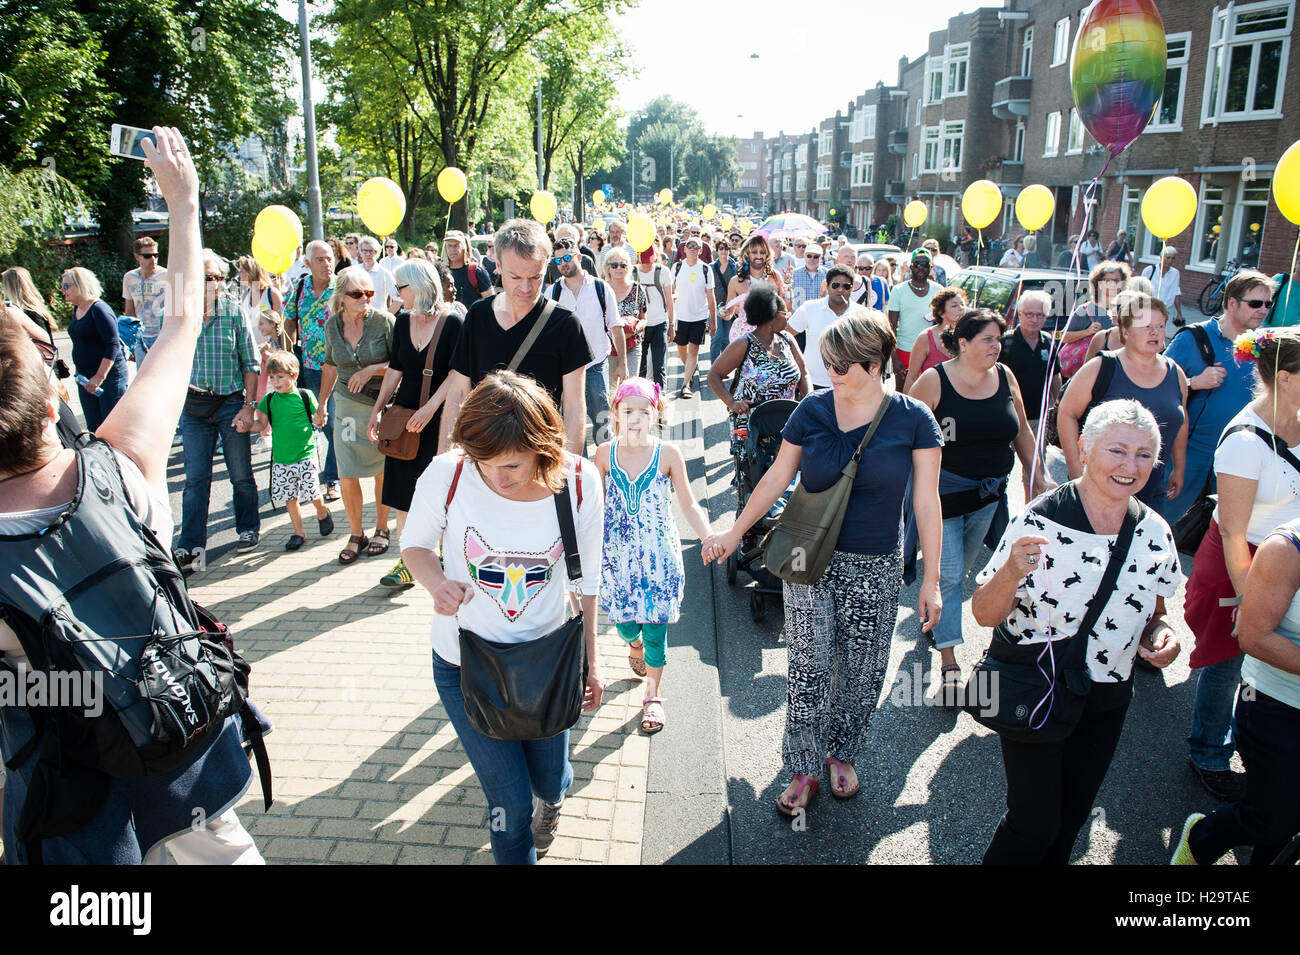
[[506, 408]]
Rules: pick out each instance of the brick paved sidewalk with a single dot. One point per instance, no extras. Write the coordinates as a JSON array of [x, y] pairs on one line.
[[367, 767]]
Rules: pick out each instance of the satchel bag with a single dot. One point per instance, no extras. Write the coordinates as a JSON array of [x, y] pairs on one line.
[[534, 689], [394, 440], [201, 405], [800, 546], [1039, 690]]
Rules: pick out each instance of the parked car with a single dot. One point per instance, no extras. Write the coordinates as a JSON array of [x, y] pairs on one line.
[[999, 289]]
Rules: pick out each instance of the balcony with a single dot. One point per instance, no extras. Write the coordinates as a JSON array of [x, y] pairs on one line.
[[1009, 173], [898, 142], [1011, 97], [894, 191]]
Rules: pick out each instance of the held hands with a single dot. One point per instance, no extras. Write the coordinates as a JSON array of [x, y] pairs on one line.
[[318, 419], [243, 421], [719, 547], [451, 595], [1025, 555]]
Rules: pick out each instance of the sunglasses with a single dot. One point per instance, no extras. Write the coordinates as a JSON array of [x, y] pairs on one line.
[[864, 269], [361, 293], [841, 371], [400, 287], [1256, 302], [563, 259], [147, 255], [66, 285], [618, 265], [841, 285], [214, 278], [813, 255]]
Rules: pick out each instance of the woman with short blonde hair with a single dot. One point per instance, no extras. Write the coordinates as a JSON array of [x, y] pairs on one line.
[[97, 354]]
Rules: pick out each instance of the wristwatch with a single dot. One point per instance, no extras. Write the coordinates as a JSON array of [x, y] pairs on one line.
[[250, 404]]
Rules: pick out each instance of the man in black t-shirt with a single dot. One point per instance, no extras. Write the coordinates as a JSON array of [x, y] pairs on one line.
[[495, 329], [1025, 351], [469, 289]]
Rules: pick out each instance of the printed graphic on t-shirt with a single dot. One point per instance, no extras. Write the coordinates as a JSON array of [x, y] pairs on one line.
[[511, 580]]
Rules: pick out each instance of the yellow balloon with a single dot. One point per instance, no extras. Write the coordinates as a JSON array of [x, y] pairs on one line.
[[542, 206], [665, 196], [914, 214], [640, 232], [381, 205], [710, 211], [279, 228], [746, 227], [451, 184], [1254, 227], [598, 198], [1169, 206], [1286, 183], [1034, 206], [1216, 229], [726, 222], [981, 203], [275, 261]]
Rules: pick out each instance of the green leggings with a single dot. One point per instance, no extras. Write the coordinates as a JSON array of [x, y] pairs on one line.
[[653, 635]]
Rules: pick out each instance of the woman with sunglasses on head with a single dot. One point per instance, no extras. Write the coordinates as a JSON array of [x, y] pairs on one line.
[[358, 349]]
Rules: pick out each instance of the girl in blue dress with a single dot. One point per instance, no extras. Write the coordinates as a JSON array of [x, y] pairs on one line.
[[641, 579]]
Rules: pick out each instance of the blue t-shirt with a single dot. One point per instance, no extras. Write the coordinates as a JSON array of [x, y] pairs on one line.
[[873, 521], [1208, 412]]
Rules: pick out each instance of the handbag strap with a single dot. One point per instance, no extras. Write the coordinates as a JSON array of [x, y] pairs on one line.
[[1078, 649], [526, 345], [568, 533], [851, 468], [427, 384]]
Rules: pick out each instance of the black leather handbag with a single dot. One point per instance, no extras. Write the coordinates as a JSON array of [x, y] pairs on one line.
[[1039, 695], [530, 690]]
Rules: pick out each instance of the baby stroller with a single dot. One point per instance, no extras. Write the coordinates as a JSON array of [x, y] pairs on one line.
[[756, 453]]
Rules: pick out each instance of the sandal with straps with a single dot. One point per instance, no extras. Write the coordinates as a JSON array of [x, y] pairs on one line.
[[652, 715], [350, 556], [803, 784], [637, 663], [839, 787], [378, 544]]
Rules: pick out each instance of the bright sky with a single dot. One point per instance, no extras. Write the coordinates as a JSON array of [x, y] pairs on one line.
[[683, 46]]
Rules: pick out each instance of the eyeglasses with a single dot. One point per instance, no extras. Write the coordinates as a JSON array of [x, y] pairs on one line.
[[350, 242], [1256, 302], [214, 278], [864, 269], [617, 265], [400, 287], [841, 285], [147, 255], [840, 371], [361, 293], [66, 285], [563, 259], [813, 255]]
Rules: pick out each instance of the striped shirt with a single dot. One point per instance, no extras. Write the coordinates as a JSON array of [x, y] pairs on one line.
[[224, 351]]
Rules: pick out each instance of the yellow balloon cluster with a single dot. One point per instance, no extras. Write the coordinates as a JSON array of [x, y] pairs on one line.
[[726, 222], [381, 204], [981, 203], [914, 214], [640, 232], [277, 232], [1034, 206], [709, 212], [1169, 206], [665, 196], [452, 184]]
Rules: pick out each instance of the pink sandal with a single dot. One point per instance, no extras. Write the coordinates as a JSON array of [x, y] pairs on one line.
[[835, 769], [808, 784]]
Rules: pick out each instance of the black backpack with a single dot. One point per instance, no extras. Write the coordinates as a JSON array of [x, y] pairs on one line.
[[306, 406], [97, 597]]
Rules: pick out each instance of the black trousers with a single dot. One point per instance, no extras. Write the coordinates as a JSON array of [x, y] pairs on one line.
[[654, 349], [1050, 790], [1268, 816]]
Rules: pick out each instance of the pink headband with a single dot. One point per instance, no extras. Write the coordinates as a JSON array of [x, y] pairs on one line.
[[638, 388]]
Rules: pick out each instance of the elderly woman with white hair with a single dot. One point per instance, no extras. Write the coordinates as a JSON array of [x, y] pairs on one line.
[[358, 347], [425, 336], [97, 355], [1086, 562]]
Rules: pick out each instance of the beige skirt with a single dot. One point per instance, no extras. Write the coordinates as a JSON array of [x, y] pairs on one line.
[[355, 455]]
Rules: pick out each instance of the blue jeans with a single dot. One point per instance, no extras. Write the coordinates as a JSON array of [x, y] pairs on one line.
[[1214, 725], [962, 539], [200, 445], [142, 345], [310, 379], [1198, 468], [510, 772], [598, 403], [96, 407], [721, 338]]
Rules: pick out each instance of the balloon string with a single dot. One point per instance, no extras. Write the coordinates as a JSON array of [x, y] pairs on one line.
[[979, 250], [1290, 279]]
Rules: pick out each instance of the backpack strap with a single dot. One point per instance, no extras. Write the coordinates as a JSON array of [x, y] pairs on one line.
[[553, 293], [1268, 437], [471, 272], [1105, 374], [306, 405], [600, 296]]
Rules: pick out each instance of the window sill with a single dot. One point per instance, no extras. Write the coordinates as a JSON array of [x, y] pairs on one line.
[[1165, 129], [1050, 155], [1243, 118], [1074, 152]]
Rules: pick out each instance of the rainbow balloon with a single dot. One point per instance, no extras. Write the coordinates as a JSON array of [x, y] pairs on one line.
[[1117, 70]]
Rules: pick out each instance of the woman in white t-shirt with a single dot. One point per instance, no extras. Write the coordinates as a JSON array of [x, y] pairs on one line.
[[490, 505], [1259, 490]]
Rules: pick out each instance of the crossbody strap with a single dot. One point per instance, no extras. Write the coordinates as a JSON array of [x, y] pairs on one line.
[[427, 384], [1268, 437], [526, 345], [568, 533], [1074, 655], [851, 468]]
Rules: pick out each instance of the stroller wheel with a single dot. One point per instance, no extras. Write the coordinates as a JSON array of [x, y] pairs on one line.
[[732, 566], [757, 605]]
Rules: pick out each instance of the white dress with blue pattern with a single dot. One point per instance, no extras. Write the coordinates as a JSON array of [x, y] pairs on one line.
[[641, 578]]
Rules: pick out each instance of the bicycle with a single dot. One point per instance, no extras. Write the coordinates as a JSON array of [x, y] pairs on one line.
[[1210, 301]]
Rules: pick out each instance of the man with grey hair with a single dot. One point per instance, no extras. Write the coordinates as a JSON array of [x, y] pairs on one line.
[[495, 330], [306, 310], [382, 279], [1168, 283], [1025, 350], [617, 230]]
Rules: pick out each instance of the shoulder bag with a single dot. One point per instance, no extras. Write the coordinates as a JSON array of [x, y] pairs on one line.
[[1039, 694], [394, 440], [800, 546], [534, 689]]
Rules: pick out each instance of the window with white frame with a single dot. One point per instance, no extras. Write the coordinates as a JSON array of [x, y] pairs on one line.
[[868, 114], [1246, 68], [958, 59], [785, 183], [1052, 141], [1074, 140], [934, 79], [919, 104], [823, 177], [862, 169], [1061, 42], [1209, 226], [826, 142], [1169, 114], [930, 144], [1026, 51], [916, 166], [1130, 209], [952, 137], [801, 154], [801, 181], [868, 169], [1248, 229], [1018, 146]]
